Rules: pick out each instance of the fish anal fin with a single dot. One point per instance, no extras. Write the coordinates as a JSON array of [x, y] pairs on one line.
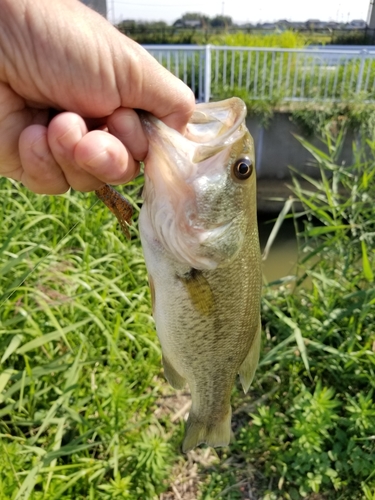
[[118, 205], [250, 363], [199, 291], [171, 374], [217, 433]]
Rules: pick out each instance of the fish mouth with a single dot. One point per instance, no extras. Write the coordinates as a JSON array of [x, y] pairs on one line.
[[212, 128], [215, 126]]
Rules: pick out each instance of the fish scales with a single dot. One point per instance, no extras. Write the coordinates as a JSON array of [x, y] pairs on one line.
[[199, 235]]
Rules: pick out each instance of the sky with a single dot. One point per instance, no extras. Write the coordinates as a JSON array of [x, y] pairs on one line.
[[248, 11]]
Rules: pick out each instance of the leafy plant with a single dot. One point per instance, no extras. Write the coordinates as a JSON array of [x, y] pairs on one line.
[[314, 118], [286, 40], [80, 364], [79, 360], [308, 426]]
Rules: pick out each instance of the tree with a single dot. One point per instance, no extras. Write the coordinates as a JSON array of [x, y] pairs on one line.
[[221, 22]]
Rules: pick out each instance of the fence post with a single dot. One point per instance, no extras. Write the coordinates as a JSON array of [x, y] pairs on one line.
[[361, 70], [207, 74]]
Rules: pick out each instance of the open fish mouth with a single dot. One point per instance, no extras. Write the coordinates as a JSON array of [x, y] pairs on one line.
[[212, 128], [215, 124]]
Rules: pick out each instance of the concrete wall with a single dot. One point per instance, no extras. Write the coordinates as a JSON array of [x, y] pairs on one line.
[[276, 149]]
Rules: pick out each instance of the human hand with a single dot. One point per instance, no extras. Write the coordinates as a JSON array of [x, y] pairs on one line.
[[66, 57]]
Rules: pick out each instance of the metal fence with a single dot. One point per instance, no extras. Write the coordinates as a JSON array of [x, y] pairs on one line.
[[309, 74]]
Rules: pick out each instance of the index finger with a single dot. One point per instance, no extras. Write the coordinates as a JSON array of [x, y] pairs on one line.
[[151, 87]]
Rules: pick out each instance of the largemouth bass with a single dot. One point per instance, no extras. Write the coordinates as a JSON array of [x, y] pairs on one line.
[[199, 234]]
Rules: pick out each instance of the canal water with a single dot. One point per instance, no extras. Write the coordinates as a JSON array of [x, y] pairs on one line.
[[282, 258]]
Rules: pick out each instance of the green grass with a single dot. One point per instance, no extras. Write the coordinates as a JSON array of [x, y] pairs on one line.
[[146, 33], [81, 390], [308, 426], [79, 356], [284, 40]]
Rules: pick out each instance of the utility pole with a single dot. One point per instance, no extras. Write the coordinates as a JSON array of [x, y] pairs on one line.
[[98, 5], [371, 16]]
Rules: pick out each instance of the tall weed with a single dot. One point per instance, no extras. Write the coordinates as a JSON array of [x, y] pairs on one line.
[[284, 40], [79, 360], [308, 426], [80, 364]]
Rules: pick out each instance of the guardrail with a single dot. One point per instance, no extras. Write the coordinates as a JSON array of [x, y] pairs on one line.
[[309, 74]]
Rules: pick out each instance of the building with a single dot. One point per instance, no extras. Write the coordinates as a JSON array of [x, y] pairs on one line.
[[356, 24], [316, 24], [98, 5], [188, 23]]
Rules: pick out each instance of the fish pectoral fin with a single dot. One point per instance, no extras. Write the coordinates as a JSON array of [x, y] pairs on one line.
[[212, 433], [199, 291], [250, 363], [171, 374]]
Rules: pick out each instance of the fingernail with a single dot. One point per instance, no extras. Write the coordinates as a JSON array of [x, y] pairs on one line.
[[40, 148], [108, 169], [100, 160], [70, 137]]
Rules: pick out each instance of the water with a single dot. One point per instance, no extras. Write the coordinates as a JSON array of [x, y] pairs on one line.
[[282, 258]]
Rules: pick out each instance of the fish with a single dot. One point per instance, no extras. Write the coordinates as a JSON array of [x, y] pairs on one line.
[[199, 234]]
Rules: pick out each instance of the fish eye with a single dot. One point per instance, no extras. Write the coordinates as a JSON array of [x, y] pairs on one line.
[[243, 168]]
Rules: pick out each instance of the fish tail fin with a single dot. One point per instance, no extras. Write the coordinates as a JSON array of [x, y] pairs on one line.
[[250, 363], [212, 433]]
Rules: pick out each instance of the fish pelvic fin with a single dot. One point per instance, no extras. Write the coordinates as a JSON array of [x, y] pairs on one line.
[[171, 374], [212, 433], [250, 363]]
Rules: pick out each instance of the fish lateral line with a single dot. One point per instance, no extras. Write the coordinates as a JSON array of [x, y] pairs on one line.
[[118, 205]]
